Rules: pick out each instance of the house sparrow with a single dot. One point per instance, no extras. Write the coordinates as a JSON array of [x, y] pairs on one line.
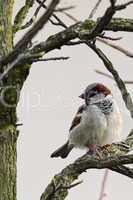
[[97, 121]]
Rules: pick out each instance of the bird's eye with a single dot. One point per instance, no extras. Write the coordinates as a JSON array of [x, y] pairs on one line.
[[92, 93]]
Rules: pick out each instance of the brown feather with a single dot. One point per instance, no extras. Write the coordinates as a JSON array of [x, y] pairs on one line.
[[77, 117]]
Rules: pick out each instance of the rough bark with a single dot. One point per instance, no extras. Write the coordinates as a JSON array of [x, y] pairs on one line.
[[113, 158], [9, 94]]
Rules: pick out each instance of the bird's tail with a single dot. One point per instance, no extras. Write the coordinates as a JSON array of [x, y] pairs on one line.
[[62, 151]]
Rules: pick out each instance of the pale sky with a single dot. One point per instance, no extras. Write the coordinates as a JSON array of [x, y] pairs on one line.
[[48, 102]]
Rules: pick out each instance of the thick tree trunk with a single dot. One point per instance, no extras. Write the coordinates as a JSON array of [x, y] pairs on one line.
[[8, 133], [9, 95]]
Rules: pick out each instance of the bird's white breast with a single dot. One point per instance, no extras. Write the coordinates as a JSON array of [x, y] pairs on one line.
[[96, 128], [114, 120]]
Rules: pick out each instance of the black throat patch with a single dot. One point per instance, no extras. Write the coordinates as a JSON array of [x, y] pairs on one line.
[[106, 106]]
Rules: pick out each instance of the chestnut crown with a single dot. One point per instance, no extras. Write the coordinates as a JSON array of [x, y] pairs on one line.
[[95, 91]]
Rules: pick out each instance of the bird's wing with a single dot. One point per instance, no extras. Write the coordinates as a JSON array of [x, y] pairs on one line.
[[77, 119]]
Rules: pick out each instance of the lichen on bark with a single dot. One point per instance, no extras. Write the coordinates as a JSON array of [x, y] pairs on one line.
[[9, 96]]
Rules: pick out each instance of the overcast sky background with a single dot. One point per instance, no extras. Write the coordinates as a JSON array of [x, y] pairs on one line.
[[49, 100]]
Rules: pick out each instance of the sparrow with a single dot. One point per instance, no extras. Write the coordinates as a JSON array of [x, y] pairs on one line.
[[97, 122]]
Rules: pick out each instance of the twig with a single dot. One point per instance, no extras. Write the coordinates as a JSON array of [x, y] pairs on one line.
[[49, 59], [104, 74], [64, 9], [29, 23], [104, 181], [117, 47], [72, 185], [19, 124], [59, 21], [70, 16], [123, 6], [109, 38], [94, 9], [111, 77]]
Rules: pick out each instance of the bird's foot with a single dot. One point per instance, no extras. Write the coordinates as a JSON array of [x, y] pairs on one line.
[[100, 151], [106, 148], [95, 150]]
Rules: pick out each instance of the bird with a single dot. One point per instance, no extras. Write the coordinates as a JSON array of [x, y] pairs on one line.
[[98, 122]]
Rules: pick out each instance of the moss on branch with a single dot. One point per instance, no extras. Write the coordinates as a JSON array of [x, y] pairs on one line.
[[113, 158], [63, 37], [21, 15], [120, 24]]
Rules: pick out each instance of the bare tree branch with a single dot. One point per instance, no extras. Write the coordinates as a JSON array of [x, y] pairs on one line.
[[58, 22], [39, 25], [72, 171], [123, 170], [112, 2], [109, 38], [116, 25], [111, 77], [64, 38], [103, 21], [32, 20], [73, 185], [123, 6], [70, 16], [59, 184], [64, 9], [109, 66], [100, 26], [94, 9], [117, 47], [61, 38], [22, 44], [49, 59]]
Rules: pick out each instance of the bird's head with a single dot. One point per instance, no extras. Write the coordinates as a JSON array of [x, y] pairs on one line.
[[95, 92]]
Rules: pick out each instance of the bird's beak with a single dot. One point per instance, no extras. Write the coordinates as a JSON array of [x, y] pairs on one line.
[[81, 96]]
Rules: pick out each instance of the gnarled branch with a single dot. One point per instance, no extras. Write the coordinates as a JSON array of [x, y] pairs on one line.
[[58, 188], [60, 39]]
